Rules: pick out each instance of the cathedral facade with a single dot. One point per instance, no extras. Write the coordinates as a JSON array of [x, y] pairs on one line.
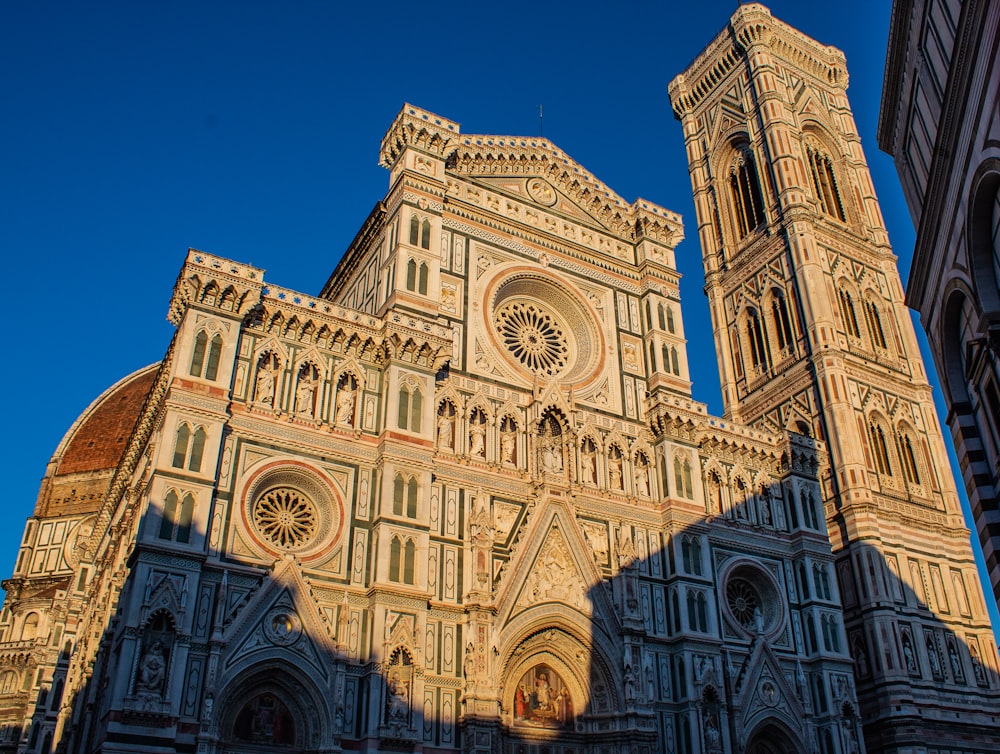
[[462, 499]]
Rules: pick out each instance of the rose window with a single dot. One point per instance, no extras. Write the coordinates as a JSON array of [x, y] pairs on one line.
[[532, 336], [286, 518], [743, 601]]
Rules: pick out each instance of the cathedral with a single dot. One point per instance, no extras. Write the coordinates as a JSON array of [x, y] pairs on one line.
[[462, 499]]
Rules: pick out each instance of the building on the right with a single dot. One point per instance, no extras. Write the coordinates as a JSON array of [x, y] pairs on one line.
[[940, 120]]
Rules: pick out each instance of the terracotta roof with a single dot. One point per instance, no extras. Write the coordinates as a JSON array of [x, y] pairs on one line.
[[97, 439]]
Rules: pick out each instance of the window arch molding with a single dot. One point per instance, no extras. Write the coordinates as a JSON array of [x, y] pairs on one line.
[[983, 248], [778, 306], [756, 347], [744, 192], [823, 172], [883, 459], [848, 302], [876, 322]]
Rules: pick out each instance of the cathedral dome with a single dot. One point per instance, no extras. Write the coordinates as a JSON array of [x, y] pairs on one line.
[[79, 470]]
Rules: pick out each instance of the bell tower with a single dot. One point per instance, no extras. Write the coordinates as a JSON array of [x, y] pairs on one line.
[[813, 336]]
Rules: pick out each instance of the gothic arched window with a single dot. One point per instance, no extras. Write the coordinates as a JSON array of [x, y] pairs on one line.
[[200, 367], [759, 356], [744, 187], [848, 314], [410, 407], [662, 316], [422, 278], [907, 458], [411, 274], [414, 230], [691, 554], [782, 322], [880, 449], [425, 234], [874, 321], [825, 183], [402, 559]]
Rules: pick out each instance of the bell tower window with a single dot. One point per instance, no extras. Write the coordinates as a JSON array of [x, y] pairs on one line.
[[825, 183], [744, 187]]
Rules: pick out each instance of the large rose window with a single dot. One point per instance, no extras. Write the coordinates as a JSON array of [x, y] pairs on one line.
[[752, 599], [543, 327], [286, 518], [292, 508]]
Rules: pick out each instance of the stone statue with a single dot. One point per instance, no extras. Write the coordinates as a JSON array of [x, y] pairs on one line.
[[477, 439], [264, 392], [626, 548], [508, 441], [152, 669], [642, 480], [304, 393], [444, 431], [399, 700], [345, 404]]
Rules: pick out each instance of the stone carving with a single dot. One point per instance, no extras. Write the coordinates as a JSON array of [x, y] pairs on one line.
[[477, 434], [152, 669], [554, 575], [266, 371], [347, 390], [305, 391]]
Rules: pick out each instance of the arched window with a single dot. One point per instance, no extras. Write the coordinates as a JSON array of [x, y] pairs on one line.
[[822, 580], [411, 402], [181, 446], [199, 366], [8, 682], [649, 315], [398, 495], [674, 361], [402, 561], [782, 322], [670, 319], [759, 356], [662, 315], [188, 448], [422, 279], [411, 497], [744, 187], [848, 314], [810, 512], [175, 523], [29, 629], [425, 234], [691, 554], [652, 357], [697, 608], [411, 274], [907, 458], [880, 450], [803, 581], [825, 183], [874, 321], [414, 230]]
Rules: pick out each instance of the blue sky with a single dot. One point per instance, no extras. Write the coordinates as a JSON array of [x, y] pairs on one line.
[[250, 130]]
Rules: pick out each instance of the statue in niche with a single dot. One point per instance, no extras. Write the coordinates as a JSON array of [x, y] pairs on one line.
[[151, 674], [713, 738], [765, 508], [615, 468], [264, 390], [908, 656], [152, 669], [956, 664], [932, 657], [347, 390], [641, 476], [508, 442], [398, 707], [626, 548], [477, 434], [305, 390], [977, 665], [550, 441], [588, 462], [446, 426]]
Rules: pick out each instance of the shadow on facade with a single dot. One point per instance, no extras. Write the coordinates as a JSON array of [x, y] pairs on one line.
[[726, 638]]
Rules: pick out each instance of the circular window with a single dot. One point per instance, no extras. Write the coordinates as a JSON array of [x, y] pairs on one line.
[[743, 600], [752, 599], [533, 336], [286, 518], [291, 508], [543, 327]]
